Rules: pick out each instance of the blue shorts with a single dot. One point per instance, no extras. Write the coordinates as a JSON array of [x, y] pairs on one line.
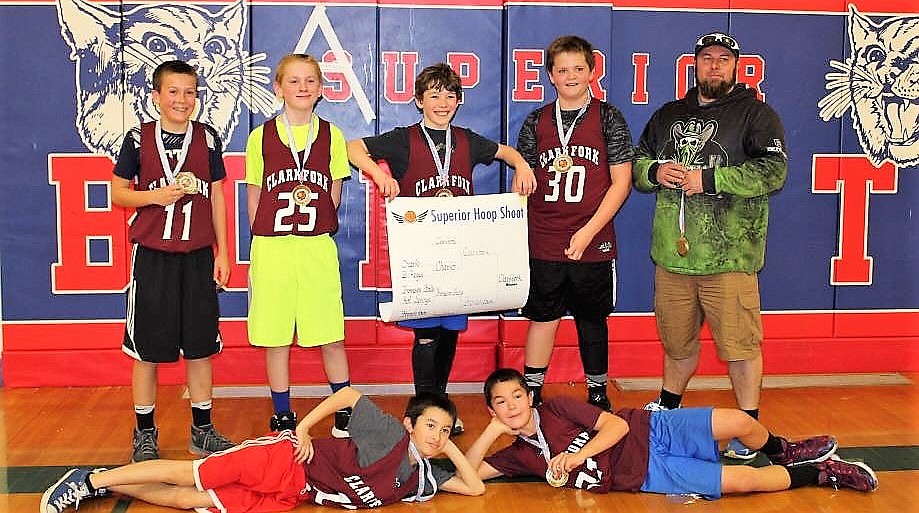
[[683, 458], [450, 322]]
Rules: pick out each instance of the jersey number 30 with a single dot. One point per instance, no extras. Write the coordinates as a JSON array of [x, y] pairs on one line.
[[573, 185]]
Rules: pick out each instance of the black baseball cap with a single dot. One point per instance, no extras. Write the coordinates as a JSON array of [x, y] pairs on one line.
[[720, 39]]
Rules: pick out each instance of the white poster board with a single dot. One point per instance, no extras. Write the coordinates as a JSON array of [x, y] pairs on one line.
[[455, 255]]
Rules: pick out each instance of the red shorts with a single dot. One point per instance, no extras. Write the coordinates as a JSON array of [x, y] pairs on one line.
[[257, 475]]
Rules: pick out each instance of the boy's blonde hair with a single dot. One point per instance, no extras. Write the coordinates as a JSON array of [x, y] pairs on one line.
[[438, 76], [296, 57], [570, 44]]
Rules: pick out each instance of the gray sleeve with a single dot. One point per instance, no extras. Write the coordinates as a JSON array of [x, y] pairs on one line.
[[616, 132], [526, 139], [373, 431], [443, 470]]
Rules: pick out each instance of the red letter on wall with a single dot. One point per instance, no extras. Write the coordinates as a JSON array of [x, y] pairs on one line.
[[337, 89], [640, 62], [599, 72], [854, 178], [467, 66], [82, 223], [393, 62], [526, 77], [374, 269], [233, 184], [86, 217]]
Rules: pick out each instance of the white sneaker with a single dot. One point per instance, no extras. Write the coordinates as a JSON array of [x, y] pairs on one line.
[[458, 427], [656, 406]]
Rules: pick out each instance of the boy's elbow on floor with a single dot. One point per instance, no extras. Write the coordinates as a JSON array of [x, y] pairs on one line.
[[477, 490]]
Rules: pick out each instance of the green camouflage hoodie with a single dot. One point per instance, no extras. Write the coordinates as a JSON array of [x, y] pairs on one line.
[[739, 143]]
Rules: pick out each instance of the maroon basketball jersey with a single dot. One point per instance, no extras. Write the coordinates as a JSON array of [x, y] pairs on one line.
[[187, 224], [421, 177], [277, 212], [567, 425], [336, 479], [564, 202]]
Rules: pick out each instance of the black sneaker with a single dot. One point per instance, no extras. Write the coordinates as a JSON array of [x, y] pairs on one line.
[[206, 440], [283, 420], [145, 445], [342, 419], [597, 397]]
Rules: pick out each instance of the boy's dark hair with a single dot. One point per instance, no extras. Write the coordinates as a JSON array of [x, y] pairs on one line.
[[570, 44], [424, 400], [178, 67], [502, 376], [438, 76]]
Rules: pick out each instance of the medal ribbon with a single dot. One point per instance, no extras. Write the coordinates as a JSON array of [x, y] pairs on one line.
[[566, 136], [424, 471], [183, 152], [292, 143], [682, 213], [540, 442], [443, 168]]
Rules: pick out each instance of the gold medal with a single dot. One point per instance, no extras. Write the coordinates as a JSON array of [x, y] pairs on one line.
[[562, 163], [188, 182], [556, 482], [302, 195], [682, 246], [444, 193]]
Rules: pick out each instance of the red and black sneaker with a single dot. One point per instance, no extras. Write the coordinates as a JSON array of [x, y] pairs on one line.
[[839, 473]]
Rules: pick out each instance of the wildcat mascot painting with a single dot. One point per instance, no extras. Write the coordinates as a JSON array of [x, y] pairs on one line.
[[879, 82], [116, 54]]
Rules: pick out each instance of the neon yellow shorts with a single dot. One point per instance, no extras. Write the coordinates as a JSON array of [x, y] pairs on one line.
[[294, 290]]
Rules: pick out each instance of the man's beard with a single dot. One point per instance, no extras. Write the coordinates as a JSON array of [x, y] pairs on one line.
[[716, 90]]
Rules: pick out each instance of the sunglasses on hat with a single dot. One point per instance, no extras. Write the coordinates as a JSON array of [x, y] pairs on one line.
[[718, 38]]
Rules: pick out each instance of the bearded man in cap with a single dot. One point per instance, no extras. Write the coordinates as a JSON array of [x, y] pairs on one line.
[[712, 158]]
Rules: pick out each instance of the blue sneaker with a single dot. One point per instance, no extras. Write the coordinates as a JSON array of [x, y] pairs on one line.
[[738, 451], [69, 490]]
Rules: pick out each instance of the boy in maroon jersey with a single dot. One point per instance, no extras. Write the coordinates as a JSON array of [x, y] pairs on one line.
[[434, 158], [171, 171], [383, 462], [580, 149], [577, 445]]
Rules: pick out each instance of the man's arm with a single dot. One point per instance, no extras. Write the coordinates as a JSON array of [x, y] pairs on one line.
[[345, 398], [610, 429], [466, 481], [476, 452], [646, 160], [765, 168]]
